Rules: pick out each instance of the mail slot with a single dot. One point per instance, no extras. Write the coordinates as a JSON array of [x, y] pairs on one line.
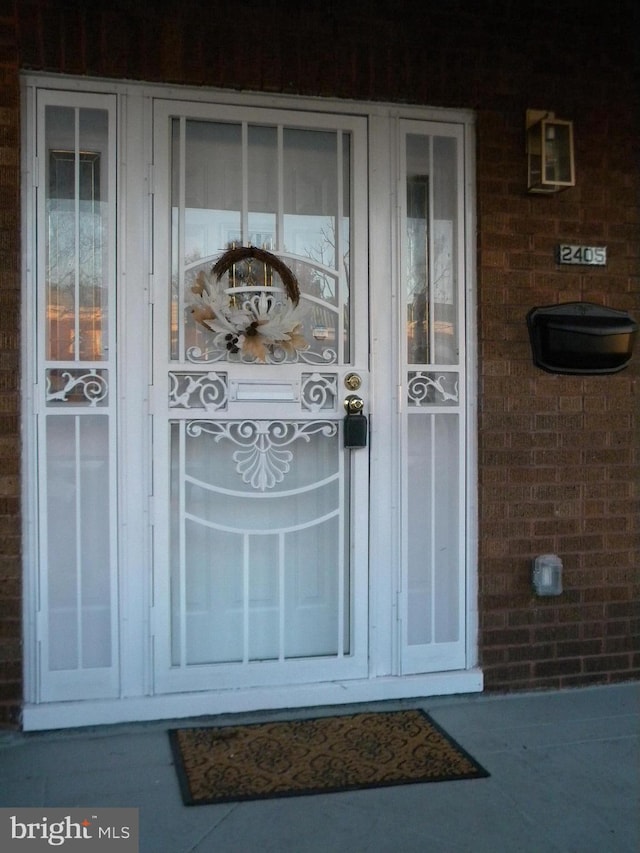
[[581, 337], [264, 392]]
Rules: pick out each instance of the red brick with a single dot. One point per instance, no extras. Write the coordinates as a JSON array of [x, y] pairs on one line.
[[506, 637], [607, 663], [556, 632], [579, 648], [567, 666], [621, 644]]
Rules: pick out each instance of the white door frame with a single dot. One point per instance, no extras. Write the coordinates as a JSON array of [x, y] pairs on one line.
[[135, 283]]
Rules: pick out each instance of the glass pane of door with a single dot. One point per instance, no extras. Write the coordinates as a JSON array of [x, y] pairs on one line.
[[78, 545], [77, 469], [433, 470], [257, 542], [431, 233], [286, 191], [77, 237]]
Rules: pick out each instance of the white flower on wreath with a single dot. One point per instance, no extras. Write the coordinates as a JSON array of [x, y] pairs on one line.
[[251, 324]]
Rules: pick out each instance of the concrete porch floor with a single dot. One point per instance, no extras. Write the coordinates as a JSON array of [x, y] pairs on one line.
[[565, 777]]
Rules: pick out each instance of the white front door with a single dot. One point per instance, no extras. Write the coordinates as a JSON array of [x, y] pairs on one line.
[[195, 523], [261, 533]]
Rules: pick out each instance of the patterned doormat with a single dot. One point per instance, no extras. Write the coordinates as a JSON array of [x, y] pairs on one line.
[[319, 756]]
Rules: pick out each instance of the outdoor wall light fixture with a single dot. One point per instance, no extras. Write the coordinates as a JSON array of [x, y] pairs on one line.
[[549, 153], [547, 575]]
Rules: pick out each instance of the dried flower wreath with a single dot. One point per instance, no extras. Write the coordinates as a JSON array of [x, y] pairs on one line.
[[251, 321]]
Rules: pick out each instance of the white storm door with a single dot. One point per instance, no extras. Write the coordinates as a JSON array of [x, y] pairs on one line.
[[260, 513]]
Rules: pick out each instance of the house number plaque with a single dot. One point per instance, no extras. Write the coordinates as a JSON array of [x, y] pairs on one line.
[[592, 256]]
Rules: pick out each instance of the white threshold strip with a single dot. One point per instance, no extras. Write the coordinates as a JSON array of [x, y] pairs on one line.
[[63, 715]]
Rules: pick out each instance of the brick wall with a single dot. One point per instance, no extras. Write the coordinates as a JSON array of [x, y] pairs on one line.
[[10, 565], [10, 529], [558, 455], [558, 458]]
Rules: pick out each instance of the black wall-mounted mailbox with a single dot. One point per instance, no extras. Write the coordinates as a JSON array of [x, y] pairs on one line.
[[581, 337]]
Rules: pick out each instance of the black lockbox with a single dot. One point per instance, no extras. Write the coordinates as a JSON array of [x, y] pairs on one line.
[[581, 338], [356, 428]]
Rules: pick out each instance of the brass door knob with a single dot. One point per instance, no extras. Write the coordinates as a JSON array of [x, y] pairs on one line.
[[353, 404]]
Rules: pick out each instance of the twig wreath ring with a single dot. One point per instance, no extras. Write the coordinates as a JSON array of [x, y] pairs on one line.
[[243, 253]]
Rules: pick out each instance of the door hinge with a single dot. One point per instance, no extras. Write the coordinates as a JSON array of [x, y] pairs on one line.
[[399, 604], [151, 179], [152, 510]]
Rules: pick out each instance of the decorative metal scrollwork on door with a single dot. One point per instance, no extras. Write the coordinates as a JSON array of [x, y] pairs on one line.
[[424, 388], [262, 461], [78, 387]]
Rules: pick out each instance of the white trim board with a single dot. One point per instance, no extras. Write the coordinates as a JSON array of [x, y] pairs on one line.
[[61, 715]]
